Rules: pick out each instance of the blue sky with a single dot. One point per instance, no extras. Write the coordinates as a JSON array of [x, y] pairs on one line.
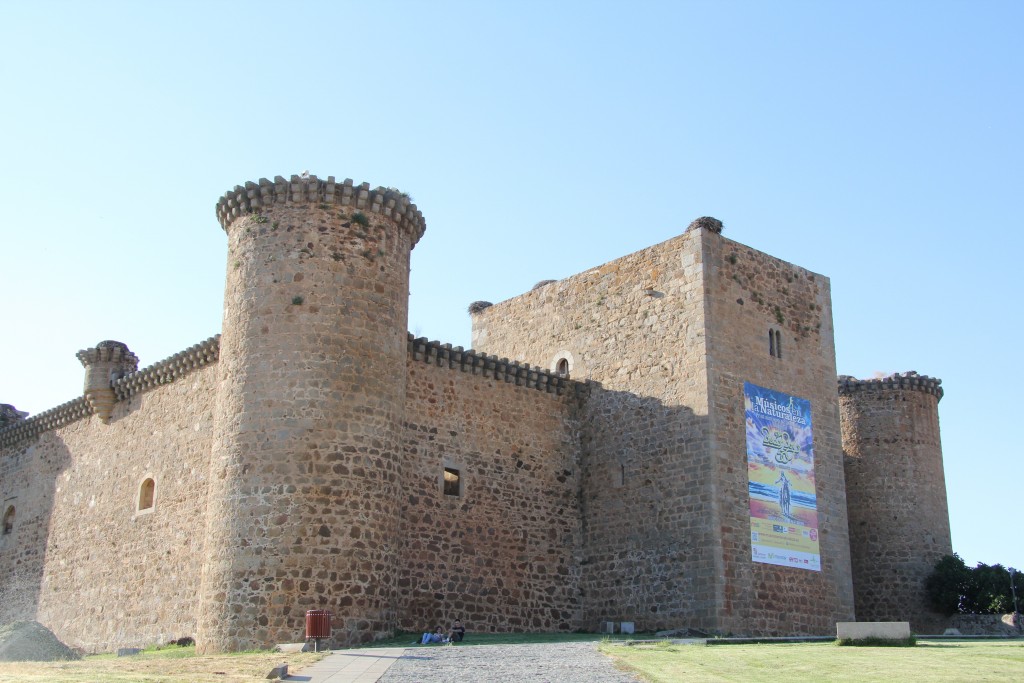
[[877, 143]]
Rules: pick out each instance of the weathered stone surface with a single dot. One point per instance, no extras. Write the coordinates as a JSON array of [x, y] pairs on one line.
[[82, 558], [899, 519], [305, 472], [664, 498], [502, 555], [318, 457]]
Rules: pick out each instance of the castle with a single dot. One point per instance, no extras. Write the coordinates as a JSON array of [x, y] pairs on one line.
[[660, 440]]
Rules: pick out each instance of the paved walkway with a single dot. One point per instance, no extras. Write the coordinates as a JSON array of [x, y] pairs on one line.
[[538, 663], [350, 666]]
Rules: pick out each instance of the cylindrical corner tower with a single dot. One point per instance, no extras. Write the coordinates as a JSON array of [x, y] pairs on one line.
[[896, 495], [304, 476]]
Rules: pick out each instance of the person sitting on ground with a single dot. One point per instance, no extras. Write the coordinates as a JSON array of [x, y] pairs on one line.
[[436, 637], [457, 633]]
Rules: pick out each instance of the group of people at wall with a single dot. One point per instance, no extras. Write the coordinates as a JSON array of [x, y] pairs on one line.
[[455, 634]]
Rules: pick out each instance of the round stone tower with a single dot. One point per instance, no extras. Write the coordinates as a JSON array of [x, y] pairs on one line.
[[895, 494], [106, 362], [304, 473]]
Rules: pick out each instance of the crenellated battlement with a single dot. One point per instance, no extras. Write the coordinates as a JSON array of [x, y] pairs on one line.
[[311, 190], [13, 431], [109, 351], [500, 369], [54, 418], [169, 369], [206, 352], [905, 380]]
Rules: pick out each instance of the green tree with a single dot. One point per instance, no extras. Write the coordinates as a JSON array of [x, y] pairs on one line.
[[954, 587], [991, 594], [949, 585]]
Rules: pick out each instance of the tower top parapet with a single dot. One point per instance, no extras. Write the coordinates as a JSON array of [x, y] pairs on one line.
[[9, 414], [309, 189], [898, 380], [106, 362]]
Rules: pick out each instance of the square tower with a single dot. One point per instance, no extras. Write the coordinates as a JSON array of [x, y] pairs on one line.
[[674, 342]]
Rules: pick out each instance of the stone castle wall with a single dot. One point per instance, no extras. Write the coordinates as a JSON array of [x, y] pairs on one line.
[[602, 471], [636, 327], [899, 519], [749, 295], [671, 333], [83, 559], [503, 554]]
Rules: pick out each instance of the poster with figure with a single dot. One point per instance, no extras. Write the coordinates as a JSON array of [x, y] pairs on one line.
[[780, 470]]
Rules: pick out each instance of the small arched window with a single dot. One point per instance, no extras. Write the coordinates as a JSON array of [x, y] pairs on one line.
[[9, 520], [562, 368], [771, 342], [146, 494]]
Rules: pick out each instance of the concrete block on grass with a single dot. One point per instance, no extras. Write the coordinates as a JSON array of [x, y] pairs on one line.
[[858, 630]]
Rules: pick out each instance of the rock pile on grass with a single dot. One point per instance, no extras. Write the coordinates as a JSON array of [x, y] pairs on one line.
[[30, 641]]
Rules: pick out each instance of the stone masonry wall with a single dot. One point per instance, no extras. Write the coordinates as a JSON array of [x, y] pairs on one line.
[[85, 561], [305, 470], [503, 555], [636, 327], [750, 293], [899, 519]]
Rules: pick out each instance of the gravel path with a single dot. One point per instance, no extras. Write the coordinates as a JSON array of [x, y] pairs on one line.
[[542, 663]]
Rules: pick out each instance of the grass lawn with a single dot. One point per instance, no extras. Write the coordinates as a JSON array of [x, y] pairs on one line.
[[166, 665], [988, 660]]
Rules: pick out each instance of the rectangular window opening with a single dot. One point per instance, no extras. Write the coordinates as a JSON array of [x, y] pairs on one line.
[[452, 482]]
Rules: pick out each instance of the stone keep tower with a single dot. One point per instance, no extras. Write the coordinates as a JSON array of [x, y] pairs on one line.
[[305, 461], [896, 494]]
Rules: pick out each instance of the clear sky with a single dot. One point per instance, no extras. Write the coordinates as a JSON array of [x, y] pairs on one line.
[[878, 143]]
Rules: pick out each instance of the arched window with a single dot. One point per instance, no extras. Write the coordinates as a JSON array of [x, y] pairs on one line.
[[771, 342], [146, 494], [562, 364], [9, 520]]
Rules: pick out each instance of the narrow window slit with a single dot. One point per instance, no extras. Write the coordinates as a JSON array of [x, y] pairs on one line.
[[452, 482], [146, 495]]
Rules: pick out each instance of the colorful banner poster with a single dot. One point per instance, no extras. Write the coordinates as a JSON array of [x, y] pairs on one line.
[[780, 467]]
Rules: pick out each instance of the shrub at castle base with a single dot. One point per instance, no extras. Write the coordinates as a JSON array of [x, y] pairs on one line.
[[660, 440]]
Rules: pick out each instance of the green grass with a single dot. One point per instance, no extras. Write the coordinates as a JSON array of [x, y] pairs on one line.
[[928, 661], [910, 641], [165, 664]]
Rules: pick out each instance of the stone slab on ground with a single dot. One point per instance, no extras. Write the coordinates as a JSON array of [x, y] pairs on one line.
[[857, 630], [30, 641], [290, 647]]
